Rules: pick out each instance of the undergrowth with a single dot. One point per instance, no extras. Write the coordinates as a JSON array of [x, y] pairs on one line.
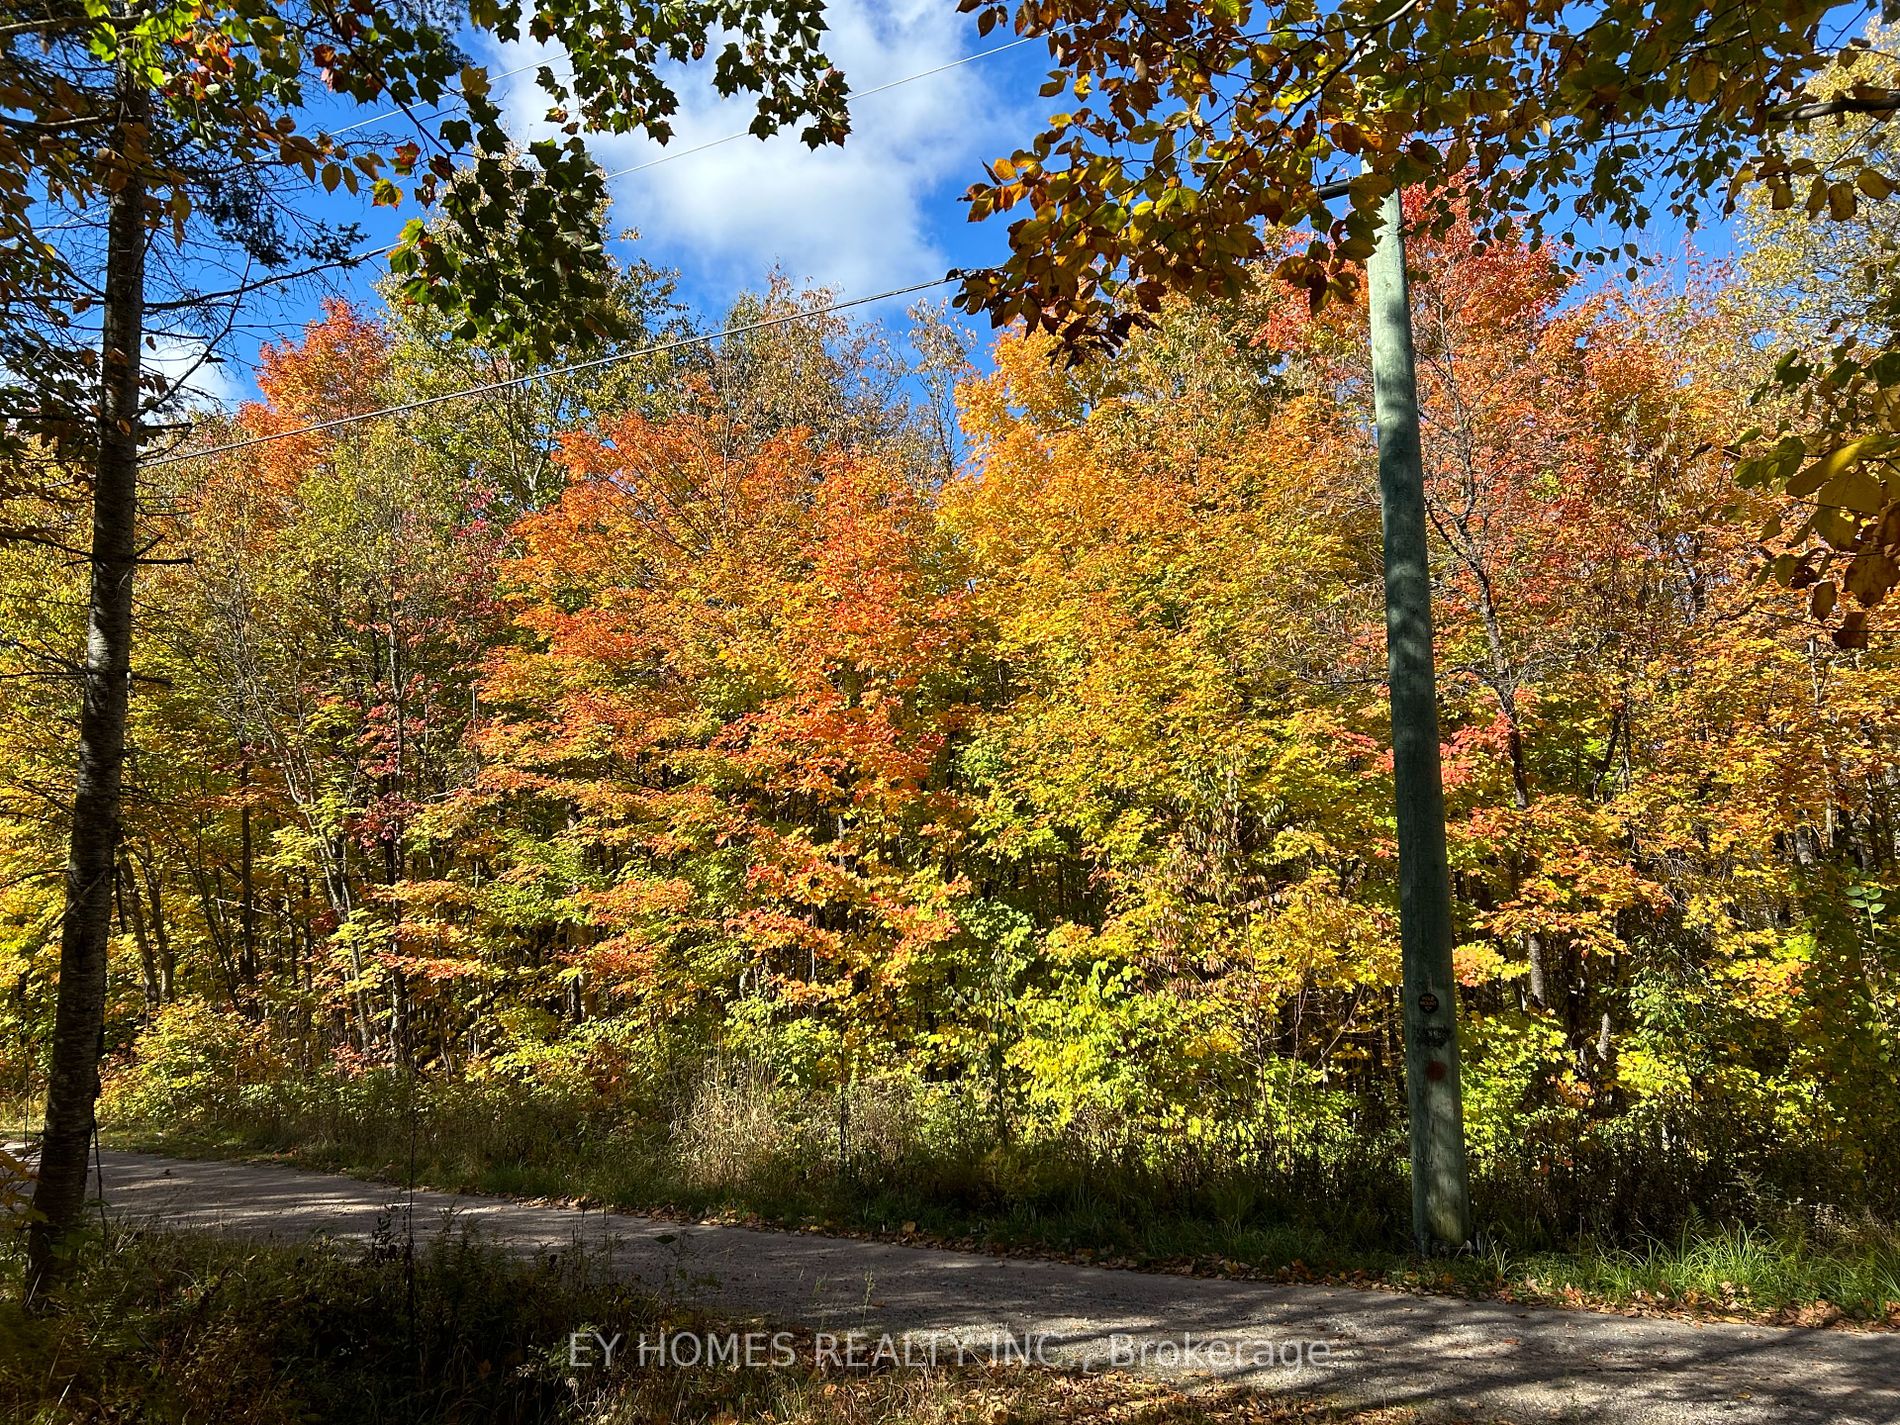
[[735, 1150]]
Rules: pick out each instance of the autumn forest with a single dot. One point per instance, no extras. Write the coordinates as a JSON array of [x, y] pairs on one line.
[[889, 756]]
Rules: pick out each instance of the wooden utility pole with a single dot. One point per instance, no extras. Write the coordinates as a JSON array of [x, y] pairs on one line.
[[1441, 1198]]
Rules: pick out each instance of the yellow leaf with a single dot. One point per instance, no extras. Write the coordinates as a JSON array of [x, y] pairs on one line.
[[1836, 526], [1854, 489], [1873, 183], [1702, 79], [1844, 457], [1870, 576]]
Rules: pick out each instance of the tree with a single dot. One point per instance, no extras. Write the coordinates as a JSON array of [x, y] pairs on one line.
[[1198, 132], [716, 759], [1171, 547], [154, 119], [1040, 806], [509, 438], [322, 646], [1826, 297]]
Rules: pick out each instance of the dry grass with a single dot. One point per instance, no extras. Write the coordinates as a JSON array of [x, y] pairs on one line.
[[1004, 1395], [731, 1131]]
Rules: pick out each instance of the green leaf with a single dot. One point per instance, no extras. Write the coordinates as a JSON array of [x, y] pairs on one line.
[[1839, 459], [1855, 490]]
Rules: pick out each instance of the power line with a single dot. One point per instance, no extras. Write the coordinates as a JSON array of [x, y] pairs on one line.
[[678, 343], [620, 173]]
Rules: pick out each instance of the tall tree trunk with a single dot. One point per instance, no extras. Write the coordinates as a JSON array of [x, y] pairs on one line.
[[167, 956], [79, 1020], [1503, 680], [132, 913], [248, 878]]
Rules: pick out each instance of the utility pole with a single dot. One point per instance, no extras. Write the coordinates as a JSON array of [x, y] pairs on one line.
[[1441, 1197]]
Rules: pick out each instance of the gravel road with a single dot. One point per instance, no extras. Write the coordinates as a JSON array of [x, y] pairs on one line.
[[1448, 1357]]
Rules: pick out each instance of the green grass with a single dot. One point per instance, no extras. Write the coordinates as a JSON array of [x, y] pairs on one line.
[[1851, 1269], [195, 1327], [1801, 1266]]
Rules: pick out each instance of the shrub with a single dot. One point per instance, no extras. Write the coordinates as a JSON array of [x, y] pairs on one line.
[[190, 1064]]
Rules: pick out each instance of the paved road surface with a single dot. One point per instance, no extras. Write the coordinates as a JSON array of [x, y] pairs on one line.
[[1449, 1357]]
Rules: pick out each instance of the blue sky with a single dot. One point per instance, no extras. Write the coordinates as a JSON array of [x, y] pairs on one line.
[[880, 211]]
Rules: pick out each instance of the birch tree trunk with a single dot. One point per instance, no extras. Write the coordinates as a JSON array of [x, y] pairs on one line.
[[79, 1024]]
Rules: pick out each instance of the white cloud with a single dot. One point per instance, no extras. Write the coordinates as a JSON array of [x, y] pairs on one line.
[[860, 217], [206, 384]]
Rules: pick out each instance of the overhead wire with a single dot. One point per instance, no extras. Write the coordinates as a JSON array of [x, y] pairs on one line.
[[618, 173], [593, 363]]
